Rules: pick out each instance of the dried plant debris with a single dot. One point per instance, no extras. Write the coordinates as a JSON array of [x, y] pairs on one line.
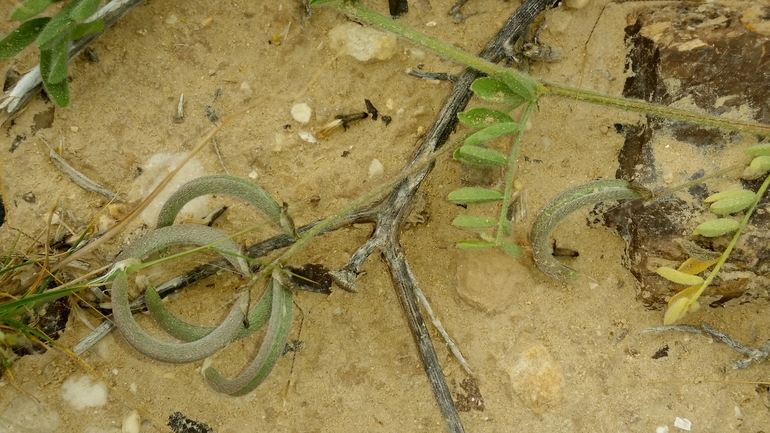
[[181, 424], [472, 399], [312, 277]]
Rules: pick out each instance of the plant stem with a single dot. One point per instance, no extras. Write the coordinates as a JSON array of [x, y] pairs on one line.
[[510, 172], [723, 258], [356, 11]]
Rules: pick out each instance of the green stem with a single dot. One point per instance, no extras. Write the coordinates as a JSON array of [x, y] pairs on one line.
[[502, 223], [525, 84], [723, 258]]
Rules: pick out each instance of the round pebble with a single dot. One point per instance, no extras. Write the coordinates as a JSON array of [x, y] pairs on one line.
[[301, 112]]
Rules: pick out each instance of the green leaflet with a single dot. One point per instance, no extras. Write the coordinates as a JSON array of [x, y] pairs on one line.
[[717, 227], [760, 164], [493, 90], [29, 9], [511, 249], [21, 37], [60, 27], [491, 132], [476, 155], [87, 28], [481, 117], [733, 203], [474, 244], [84, 9], [474, 195], [759, 150]]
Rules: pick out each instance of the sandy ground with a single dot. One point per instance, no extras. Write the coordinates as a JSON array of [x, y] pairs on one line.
[[358, 369]]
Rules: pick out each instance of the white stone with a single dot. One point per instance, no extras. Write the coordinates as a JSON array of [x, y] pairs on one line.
[[171, 19], [24, 414], [362, 43], [301, 112], [682, 423], [83, 393], [376, 168], [132, 423], [246, 90], [306, 136]]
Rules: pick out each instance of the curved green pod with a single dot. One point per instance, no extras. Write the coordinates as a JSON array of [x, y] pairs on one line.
[[562, 206]]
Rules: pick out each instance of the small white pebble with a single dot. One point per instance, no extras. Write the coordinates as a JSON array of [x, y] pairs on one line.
[[246, 90], [132, 388], [253, 175], [376, 168], [662, 429], [301, 112], [306, 136], [738, 412], [171, 19], [131, 423], [115, 371], [206, 22], [682, 423], [74, 129], [547, 143], [431, 24], [592, 286]]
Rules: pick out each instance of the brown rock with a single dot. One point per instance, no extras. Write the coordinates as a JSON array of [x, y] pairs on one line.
[[537, 379]]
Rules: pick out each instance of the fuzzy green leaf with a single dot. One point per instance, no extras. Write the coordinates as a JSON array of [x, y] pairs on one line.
[[524, 87], [481, 117], [476, 155], [13, 43], [742, 193], [473, 244], [717, 227], [759, 150], [84, 9], [473, 222], [53, 63], [733, 203], [492, 132], [474, 195], [87, 28], [51, 59], [511, 249], [492, 90], [760, 164], [60, 26], [29, 9]]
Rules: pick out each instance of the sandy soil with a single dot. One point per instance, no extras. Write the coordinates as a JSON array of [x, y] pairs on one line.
[[358, 369]]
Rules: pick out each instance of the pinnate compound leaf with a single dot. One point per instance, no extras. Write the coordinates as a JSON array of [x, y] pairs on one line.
[[481, 117], [491, 132], [84, 9], [473, 222], [474, 244], [87, 28], [492, 90], [29, 9], [511, 249], [21, 37], [474, 195], [476, 155]]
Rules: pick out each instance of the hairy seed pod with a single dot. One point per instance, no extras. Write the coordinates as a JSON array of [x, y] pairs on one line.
[[717, 227]]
